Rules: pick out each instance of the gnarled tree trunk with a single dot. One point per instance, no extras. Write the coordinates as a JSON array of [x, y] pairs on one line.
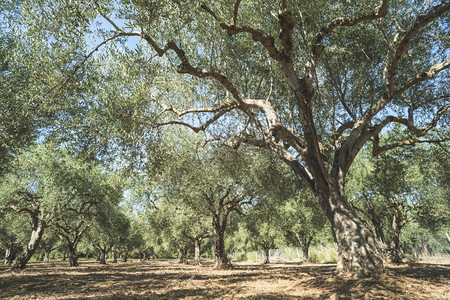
[[357, 253], [36, 235]]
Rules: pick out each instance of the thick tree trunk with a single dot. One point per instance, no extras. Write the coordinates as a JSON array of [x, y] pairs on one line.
[[396, 252], [197, 251], [36, 235], [102, 256], [72, 256], [357, 252], [221, 259]]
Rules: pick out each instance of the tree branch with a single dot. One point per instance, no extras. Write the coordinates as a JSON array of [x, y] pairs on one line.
[[430, 74]]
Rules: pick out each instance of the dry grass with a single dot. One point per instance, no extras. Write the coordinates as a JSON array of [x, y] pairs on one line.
[[169, 280]]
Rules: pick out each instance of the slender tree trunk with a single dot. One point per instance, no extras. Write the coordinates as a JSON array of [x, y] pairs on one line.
[[266, 254], [64, 255], [36, 235], [114, 254], [46, 255], [197, 251], [357, 252]]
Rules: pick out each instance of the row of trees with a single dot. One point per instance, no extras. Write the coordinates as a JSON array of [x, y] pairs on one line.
[[206, 196], [315, 83]]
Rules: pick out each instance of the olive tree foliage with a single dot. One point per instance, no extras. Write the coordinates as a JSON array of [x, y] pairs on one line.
[[56, 192], [313, 81], [302, 221], [18, 112], [109, 231], [397, 188]]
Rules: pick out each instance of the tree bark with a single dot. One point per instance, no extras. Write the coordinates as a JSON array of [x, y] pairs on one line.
[[357, 252], [221, 259], [125, 255], [182, 256], [266, 255], [114, 254], [102, 256], [11, 253], [197, 251], [36, 235], [46, 256], [304, 242], [72, 255], [396, 252]]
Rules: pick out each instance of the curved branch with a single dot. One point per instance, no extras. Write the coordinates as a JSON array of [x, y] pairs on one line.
[[260, 36], [430, 74], [403, 41], [317, 48], [419, 132]]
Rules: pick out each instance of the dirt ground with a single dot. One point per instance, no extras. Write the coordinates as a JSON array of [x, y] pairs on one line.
[[170, 280]]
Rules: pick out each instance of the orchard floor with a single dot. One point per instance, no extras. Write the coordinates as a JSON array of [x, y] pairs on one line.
[[170, 280]]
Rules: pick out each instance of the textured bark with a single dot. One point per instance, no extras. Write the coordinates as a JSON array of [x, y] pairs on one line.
[[220, 256], [36, 235], [357, 252], [396, 251], [197, 252]]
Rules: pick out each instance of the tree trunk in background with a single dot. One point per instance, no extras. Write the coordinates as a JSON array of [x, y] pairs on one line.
[[102, 256], [266, 255], [182, 256], [197, 251], [396, 251], [36, 235], [304, 242], [357, 252], [11, 253], [72, 256], [46, 256], [125, 255], [114, 254]]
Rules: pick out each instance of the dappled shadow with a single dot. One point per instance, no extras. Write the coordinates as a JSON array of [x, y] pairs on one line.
[[170, 280]]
